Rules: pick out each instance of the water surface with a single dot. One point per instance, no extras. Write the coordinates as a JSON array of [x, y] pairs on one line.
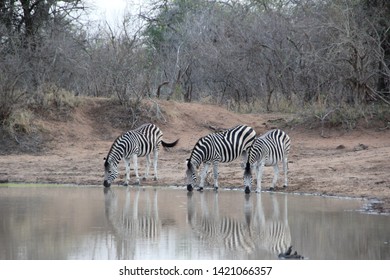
[[169, 223]]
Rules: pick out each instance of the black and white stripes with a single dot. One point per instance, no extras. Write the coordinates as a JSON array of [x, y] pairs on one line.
[[218, 147], [134, 143], [267, 150]]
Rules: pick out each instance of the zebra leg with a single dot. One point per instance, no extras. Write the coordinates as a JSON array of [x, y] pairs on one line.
[[259, 175], [135, 162], [155, 159], [244, 159], [285, 169], [276, 175], [203, 175], [215, 170], [147, 167], [127, 166]]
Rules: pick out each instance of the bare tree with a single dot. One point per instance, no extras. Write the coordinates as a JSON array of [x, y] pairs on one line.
[[34, 41]]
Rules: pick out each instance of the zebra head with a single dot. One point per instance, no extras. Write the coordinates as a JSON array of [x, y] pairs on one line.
[[110, 172], [248, 178], [191, 176]]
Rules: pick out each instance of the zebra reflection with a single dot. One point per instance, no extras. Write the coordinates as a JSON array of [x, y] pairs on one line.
[[217, 231], [132, 223], [273, 233], [254, 234]]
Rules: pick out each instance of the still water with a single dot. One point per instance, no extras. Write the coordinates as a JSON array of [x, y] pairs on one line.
[[168, 223]]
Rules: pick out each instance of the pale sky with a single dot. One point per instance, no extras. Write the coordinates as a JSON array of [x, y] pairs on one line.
[[113, 11]]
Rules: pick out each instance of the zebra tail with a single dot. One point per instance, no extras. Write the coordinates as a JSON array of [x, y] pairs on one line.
[[166, 145]]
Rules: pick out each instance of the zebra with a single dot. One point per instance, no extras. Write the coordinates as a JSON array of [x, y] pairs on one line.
[[272, 233], [139, 142], [132, 221], [267, 150], [217, 147], [217, 230], [262, 231]]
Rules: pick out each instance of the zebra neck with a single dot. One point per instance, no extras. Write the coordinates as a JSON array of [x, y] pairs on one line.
[[119, 149], [195, 162], [115, 156], [253, 157]]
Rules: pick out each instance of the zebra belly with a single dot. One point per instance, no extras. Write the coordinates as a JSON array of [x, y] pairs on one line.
[[143, 153], [223, 160], [271, 162], [146, 147]]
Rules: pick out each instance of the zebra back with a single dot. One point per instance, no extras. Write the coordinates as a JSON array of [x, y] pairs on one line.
[[223, 146], [150, 137], [140, 141], [272, 146]]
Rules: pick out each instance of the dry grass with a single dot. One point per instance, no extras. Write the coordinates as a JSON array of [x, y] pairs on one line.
[[20, 121], [22, 130], [53, 102]]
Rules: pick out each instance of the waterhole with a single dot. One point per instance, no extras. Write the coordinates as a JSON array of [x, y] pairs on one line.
[[68, 222]]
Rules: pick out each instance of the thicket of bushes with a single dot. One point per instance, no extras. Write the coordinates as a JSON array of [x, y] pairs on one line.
[[325, 60]]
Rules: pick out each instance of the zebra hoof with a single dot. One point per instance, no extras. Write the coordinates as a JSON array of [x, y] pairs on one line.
[[189, 188], [200, 189], [247, 190], [271, 189], [284, 186], [125, 184]]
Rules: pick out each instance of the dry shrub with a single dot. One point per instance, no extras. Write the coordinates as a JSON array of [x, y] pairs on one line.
[[19, 121], [54, 103], [140, 111], [20, 128]]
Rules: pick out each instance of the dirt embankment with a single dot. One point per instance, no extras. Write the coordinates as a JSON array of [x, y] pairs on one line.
[[345, 163]]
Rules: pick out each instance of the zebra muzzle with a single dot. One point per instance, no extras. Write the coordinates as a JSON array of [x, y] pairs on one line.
[[189, 188], [106, 184]]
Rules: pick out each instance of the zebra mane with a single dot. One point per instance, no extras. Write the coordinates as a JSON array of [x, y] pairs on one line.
[[189, 160], [112, 156], [190, 166]]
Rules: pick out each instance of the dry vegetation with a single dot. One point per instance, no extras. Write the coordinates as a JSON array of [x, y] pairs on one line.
[[351, 163]]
